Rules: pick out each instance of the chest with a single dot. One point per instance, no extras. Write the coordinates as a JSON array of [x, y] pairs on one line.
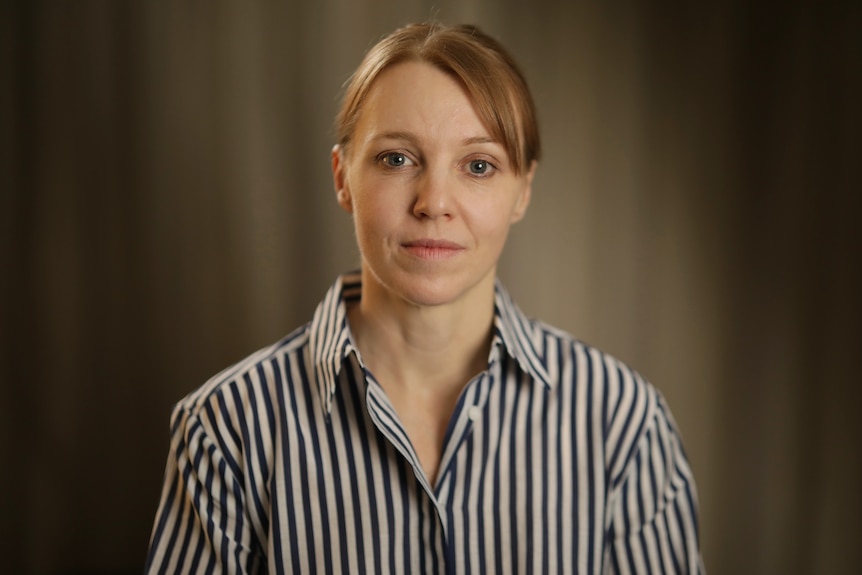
[[520, 487]]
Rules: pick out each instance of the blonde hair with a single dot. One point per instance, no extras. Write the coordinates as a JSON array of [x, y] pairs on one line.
[[479, 62]]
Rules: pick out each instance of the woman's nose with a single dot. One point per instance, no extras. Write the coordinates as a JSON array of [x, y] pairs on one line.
[[433, 195]]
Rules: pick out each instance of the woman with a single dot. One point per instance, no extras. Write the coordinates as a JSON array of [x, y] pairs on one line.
[[420, 423]]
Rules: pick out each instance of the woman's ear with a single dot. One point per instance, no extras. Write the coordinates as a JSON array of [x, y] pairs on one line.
[[523, 200], [339, 179]]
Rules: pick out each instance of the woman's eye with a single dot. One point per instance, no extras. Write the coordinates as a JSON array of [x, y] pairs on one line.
[[480, 167], [395, 160]]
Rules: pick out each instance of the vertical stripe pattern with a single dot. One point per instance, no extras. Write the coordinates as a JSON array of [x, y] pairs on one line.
[[558, 459]]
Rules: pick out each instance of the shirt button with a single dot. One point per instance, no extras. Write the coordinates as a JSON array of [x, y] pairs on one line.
[[474, 412]]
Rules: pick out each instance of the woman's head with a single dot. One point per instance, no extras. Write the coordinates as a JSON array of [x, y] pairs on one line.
[[479, 63]]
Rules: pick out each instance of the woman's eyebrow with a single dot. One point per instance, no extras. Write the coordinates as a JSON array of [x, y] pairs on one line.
[[395, 135], [414, 139], [480, 140]]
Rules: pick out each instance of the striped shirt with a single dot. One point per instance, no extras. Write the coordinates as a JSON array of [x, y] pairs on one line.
[[557, 459]]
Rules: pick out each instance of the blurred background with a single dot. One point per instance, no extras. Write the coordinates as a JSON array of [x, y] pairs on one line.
[[166, 208]]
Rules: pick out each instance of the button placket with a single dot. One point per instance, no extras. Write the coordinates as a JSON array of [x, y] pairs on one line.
[[468, 412]]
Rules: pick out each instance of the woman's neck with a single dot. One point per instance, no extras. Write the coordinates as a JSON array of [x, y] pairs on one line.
[[424, 349], [423, 357]]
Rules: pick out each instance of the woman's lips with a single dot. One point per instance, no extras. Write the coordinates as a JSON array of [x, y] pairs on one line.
[[428, 249]]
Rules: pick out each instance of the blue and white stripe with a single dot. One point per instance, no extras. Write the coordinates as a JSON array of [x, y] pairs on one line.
[[558, 459]]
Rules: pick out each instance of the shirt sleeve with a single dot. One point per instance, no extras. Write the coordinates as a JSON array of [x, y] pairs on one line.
[[202, 525], [654, 521]]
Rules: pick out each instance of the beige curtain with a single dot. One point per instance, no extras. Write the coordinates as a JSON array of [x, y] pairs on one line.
[[166, 208]]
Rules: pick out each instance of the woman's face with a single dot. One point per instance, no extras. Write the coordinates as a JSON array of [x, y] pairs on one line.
[[431, 193]]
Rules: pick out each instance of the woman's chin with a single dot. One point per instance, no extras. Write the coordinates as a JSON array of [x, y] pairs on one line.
[[430, 290]]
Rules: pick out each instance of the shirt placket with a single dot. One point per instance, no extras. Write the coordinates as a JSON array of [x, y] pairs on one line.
[[468, 411]]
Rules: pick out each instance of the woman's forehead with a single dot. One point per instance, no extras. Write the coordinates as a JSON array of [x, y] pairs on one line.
[[412, 100]]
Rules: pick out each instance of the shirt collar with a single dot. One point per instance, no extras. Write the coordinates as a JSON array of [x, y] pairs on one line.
[[522, 338], [330, 341]]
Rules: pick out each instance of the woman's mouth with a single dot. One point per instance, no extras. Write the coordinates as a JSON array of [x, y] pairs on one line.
[[428, 249]]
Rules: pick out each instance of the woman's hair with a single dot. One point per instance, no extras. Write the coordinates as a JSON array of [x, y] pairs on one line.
[[480, 63]]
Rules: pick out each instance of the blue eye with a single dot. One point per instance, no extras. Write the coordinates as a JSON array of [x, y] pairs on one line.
[[480, 167], [394, 160]]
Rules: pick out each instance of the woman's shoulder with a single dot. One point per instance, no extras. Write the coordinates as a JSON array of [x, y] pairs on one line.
[[559, 358], [574, 347], [624, 404], [251, 376], [571, 361]]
